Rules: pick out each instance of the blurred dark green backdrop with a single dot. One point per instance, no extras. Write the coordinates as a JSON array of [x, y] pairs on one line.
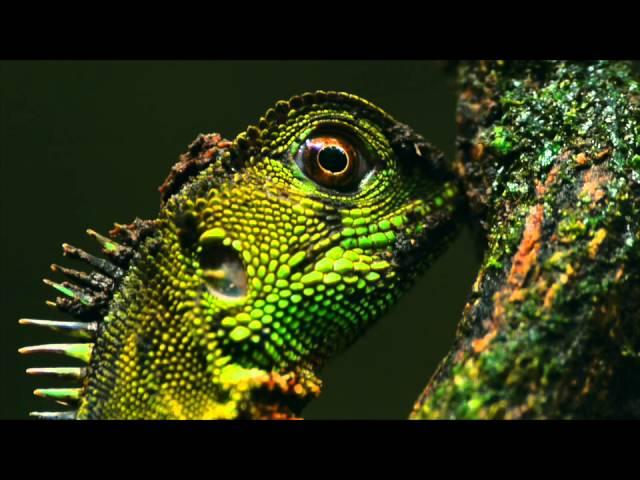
[[84, 144]]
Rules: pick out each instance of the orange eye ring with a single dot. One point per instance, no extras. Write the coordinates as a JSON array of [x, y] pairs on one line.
[[330, 161]]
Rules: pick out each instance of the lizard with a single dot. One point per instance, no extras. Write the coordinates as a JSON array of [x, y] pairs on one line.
[[271, 253]]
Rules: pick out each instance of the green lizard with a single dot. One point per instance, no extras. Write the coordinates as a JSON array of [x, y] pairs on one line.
[[271, 253]]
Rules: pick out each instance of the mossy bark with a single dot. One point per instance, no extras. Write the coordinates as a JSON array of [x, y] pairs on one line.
[[549, 156]]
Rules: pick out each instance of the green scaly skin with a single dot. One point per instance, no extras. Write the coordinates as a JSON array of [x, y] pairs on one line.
[[254, 274]]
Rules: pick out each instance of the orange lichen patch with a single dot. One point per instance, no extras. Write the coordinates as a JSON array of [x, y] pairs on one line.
[[480, 344], [522, 262], [529, 247], [498, 309], [581, 159], [594, 179], [551, 295], [476, 151], [551, 177], [603, 154], [595, 243], [518, 296]]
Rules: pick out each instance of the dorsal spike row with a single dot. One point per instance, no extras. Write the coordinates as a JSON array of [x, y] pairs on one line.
[[73, 373], [71, 291], [202, 152], [73, 307], [107, 244], [101, 264], [88, 298], [70, 415], [120, 254], [64, 395], [133, 233], [77, 329], [95, 280], [80, 351], [85, 304], [85, 296]]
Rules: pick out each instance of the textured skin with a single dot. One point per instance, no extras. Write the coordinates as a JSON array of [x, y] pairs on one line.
[[253, 275], [549, 155]]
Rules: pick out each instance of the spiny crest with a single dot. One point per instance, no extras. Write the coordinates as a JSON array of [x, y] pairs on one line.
[[205, 150], [86, 297]]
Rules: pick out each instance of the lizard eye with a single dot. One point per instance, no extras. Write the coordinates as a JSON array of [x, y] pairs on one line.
[[332, 161]]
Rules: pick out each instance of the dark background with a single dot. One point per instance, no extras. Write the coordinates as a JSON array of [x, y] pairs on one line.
[[85, 144]]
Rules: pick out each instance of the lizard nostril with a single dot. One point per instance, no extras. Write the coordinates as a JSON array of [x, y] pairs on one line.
[[223, 271]]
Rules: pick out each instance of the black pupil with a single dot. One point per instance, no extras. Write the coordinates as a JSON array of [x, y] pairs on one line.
[[333, 159]]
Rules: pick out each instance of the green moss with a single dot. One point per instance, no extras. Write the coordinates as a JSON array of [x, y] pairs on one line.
[[501, 140], [551, 355]]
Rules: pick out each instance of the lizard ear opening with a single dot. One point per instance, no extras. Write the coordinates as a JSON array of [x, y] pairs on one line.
[[223, 271]]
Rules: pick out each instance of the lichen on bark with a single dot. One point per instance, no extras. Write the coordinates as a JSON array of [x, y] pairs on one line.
[[549, 157]]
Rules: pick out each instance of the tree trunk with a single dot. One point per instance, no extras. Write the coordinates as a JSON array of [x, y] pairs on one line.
[[549, 156]]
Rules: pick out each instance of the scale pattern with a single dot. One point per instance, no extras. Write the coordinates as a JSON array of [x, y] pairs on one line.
[[253, 275]]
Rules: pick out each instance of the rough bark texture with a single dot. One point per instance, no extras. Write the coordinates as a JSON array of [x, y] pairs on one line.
[[549, 155]]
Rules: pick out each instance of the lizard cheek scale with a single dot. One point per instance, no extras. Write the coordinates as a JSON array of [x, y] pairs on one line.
[[271, 253]]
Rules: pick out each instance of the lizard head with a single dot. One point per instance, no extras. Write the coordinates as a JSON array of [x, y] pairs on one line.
[[271, 253]]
